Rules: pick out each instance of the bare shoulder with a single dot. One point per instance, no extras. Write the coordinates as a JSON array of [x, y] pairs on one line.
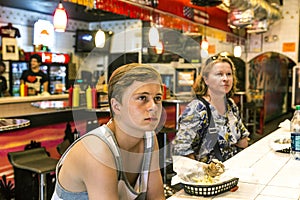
[[95, 151], [87, 162]]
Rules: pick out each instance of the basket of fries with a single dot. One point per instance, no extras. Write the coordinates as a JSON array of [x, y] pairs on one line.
[[210, 190], [201, 179]]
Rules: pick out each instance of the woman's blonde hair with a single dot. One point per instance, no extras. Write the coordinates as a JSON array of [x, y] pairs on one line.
[[200, 86]]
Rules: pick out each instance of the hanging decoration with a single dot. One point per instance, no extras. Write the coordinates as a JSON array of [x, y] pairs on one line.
[[60, 18]]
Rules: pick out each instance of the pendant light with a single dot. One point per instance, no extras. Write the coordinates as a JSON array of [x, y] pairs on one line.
[[204, 53], [237, 51], [60, 18], [159, 48], [153, 36], [100, 39], [204, 42]]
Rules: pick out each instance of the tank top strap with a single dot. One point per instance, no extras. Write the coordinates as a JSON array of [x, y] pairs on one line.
[[149, 145], [106, 135]]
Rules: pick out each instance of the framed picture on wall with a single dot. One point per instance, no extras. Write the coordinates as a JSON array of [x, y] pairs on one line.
[[10, 49], [255, 43]]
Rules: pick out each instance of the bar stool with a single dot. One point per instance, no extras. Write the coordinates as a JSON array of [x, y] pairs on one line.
[[250, 110], [34, 160], [165, 159]]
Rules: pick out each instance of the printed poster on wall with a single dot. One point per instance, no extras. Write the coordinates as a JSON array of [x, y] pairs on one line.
[[255, 43], [10, 49]]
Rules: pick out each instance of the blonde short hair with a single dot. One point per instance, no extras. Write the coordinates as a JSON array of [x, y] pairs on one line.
[[124, 76], [200, 86]]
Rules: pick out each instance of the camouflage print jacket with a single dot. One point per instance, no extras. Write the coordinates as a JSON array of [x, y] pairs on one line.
[[193, 126]]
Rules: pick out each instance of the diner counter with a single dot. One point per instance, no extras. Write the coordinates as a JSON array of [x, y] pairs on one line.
[[46, 110], [22, 106], [263, 173], [6, 100]]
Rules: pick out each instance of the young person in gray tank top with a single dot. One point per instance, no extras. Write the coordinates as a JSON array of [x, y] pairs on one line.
[[118, 160]]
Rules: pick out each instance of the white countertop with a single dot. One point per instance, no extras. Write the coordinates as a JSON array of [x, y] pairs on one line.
[[263, 173], [16, 107], [6, 100]]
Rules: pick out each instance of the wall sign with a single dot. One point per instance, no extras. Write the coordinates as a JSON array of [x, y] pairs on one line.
[[48, 57], [43, 33], [288, 47]]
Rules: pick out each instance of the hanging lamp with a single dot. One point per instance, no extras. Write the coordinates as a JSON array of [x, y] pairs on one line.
[[204, 43], [159, 48], [153, 36], [237, 51], [60, 18], [204, 53], [100, 39]]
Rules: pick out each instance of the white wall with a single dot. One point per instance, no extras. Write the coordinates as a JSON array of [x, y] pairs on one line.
[[287, 30]]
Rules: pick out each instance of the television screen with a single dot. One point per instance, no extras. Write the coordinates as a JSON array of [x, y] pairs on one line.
[[184, 80], [85, 41]]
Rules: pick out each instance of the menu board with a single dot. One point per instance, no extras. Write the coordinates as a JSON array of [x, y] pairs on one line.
[[296, 87]]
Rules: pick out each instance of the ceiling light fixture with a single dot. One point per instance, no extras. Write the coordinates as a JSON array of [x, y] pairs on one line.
[[237, 51], [204, 53], [153, 36], [100, 39], [204, 43], [60, 18], [159, 48]]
